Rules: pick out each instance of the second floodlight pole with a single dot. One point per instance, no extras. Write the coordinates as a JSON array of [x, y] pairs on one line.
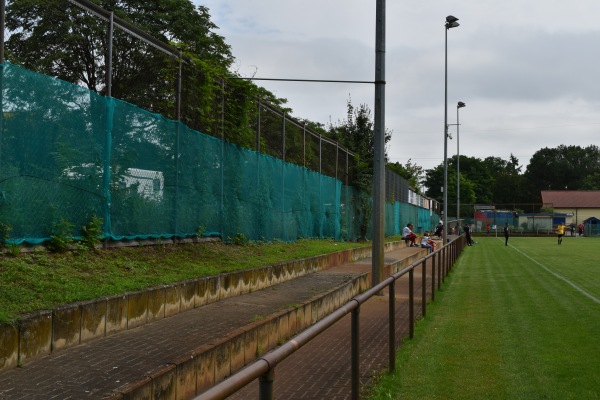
[[379, 144]]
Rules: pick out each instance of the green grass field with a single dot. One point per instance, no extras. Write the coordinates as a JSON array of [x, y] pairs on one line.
[[516, 322]]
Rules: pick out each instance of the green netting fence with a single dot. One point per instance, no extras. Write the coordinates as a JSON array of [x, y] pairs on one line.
[[68, 154]]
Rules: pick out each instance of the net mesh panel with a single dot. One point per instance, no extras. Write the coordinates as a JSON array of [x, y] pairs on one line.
[[68, 154], [52, 150], [143, 174]]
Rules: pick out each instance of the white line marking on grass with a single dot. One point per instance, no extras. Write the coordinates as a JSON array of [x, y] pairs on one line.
[[580, 290]]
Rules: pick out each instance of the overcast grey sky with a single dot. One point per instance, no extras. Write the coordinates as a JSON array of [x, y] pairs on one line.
[[527, 69]]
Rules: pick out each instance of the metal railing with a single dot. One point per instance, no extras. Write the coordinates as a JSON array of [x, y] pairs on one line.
[[441, 262]]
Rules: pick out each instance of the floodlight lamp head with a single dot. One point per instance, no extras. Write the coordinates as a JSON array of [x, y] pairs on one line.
[[451, 22], [460, 104]]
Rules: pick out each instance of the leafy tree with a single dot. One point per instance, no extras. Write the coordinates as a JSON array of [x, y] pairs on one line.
[[564, 167], [489, 181], [357, 133], [434, 181], [591, 182], [508, 185], [61, 39]]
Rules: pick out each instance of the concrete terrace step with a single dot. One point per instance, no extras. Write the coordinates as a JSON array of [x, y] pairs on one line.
[[183, 355]]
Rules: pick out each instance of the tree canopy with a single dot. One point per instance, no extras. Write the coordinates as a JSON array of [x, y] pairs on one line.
[[61, 39], [497, 181]]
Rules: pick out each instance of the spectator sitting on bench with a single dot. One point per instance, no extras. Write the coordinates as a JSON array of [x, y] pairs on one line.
[[427, 243], [409, 236]]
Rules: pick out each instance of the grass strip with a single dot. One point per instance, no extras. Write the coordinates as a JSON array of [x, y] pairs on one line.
[[42, 280]]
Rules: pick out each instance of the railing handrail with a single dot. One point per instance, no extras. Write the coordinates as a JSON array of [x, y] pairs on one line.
[[269, 361]]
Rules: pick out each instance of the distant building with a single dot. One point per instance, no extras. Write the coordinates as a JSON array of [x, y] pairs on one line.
[[148, 183], [581, 204]]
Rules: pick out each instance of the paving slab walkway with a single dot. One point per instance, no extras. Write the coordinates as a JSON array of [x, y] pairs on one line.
[[320, 370]]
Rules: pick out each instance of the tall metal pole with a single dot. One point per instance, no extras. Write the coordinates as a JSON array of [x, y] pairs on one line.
[[459, 105], [450, 23], [445, 187], [379, 150], [457, 169]]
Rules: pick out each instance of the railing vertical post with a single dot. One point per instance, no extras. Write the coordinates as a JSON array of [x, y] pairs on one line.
[[265, 385], [433, 277], [450, 255], [453, 258], [392, 326], [448, 259], [455, 251], [355, 353], [423, 287], [445, 257], [411, 303], [439, 269], [443, 264]]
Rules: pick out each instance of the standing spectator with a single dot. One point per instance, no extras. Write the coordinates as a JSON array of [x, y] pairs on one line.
[[439, 230], [487, 229], [572, 228], [468, 235], [560, 231], [409, 236], [580, 229], [506, 234]]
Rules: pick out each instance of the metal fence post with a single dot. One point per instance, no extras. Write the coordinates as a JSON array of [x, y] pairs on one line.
[[411, 303], [3, 23], [177, 144], [433, 277], [320, 185], [265, 385], [444, 263], [355, 353], [439, 269], [423, 286], [2, 26], [392, 325], [108, 134], [222, 161], [304, 145], [283, 179]]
